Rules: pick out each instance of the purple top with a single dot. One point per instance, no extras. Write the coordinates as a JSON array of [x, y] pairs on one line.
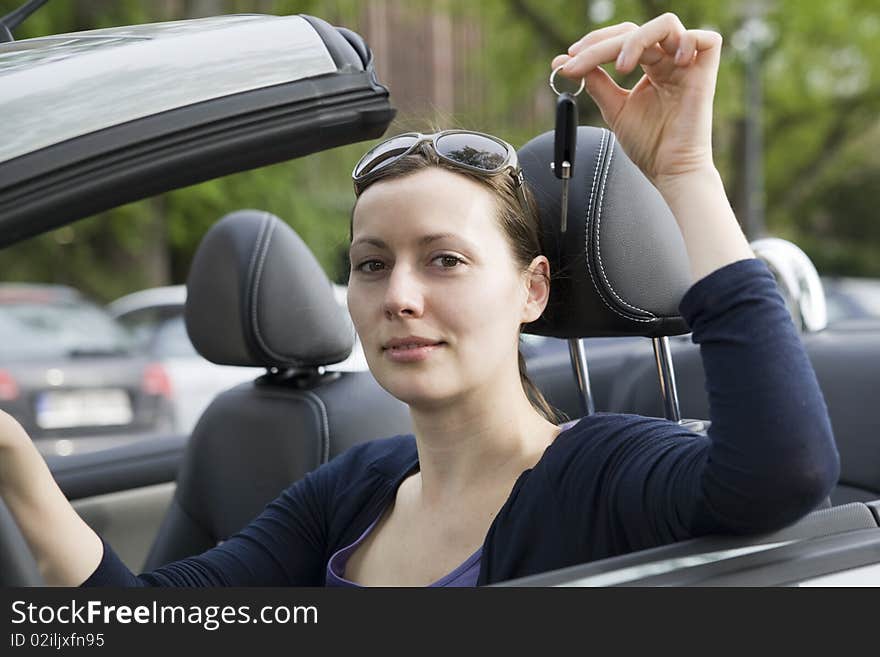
[[465, 575]]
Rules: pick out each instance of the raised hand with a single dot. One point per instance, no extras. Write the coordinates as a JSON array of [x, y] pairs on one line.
[[664, 123]]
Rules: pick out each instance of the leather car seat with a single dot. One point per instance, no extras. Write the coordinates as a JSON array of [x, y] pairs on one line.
[[256, 296], [621, 268]]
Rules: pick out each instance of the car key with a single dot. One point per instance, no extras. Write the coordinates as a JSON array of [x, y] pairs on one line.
[[565, 146], [565, 140]]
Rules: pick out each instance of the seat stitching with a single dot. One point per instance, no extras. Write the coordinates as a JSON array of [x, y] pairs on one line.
[[588, 233], [289, 394], [590, 211], [599, 237], [316, 402], [325, 434], [263, 250], [250, 301]]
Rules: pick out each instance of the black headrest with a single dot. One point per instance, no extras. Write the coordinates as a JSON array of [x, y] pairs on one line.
[[256, 296], [621, 267]]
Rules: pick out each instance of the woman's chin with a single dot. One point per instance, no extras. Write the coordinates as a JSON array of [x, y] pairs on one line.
[[414, 394]]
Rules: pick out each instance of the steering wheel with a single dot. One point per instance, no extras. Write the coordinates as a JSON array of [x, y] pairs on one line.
[[17, 565]]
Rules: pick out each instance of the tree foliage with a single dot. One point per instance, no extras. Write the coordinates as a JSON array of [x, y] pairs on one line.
[[820, 76], [821, 92]]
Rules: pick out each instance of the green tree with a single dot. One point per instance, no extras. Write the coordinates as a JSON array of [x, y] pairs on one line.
[[821, 87], [821, 90], [151, 242]]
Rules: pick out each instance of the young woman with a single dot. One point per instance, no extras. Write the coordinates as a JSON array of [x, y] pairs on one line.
[[446, 268]]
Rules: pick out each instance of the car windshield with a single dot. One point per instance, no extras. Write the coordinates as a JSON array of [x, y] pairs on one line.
[[57, 329]]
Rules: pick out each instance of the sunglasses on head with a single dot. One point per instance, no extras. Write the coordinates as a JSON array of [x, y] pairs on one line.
[[463, 149]]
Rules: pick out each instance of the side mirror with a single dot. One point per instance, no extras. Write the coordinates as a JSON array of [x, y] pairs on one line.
[[798, 282]]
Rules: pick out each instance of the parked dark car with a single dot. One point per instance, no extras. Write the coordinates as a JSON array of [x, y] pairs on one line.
[[299, 86], [68, 369]]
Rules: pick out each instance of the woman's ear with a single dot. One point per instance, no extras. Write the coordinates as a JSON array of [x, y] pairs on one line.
[[537, 278]]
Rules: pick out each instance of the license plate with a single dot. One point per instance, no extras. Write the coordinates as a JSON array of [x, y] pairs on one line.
[[83, 408]]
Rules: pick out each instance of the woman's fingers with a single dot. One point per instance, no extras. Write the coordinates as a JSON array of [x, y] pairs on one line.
[[665, 31], [594, 55], [629, 45], [607, 94], [559, 60], [600, 35], [687, 48], [706, 41], [607, 51]]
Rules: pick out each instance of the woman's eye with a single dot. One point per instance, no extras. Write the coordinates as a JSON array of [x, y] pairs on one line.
[[371, 266], [448, 261]]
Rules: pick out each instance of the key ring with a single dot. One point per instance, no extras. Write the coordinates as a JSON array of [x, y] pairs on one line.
[[553, 86]]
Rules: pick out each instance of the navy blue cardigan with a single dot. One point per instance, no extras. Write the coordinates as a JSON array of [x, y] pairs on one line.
[[608, 485]]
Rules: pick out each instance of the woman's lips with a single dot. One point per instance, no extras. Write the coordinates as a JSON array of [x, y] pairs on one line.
[[411, 353]]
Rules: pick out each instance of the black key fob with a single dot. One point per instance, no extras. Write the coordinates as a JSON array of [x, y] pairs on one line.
[[566, 134]]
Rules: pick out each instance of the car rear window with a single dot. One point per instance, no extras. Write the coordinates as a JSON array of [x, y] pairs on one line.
[[61, 329]]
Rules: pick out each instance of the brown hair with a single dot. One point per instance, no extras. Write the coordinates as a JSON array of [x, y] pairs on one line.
[[522, 231]]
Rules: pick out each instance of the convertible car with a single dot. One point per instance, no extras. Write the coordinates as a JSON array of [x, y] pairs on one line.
[[97, 119]]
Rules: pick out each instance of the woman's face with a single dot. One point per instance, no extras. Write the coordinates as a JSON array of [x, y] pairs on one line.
[[435, 294]]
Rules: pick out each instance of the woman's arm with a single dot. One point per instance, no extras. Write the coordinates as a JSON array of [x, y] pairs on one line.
[[770, 454], [66, 549], [284, 545], [664, 123], [769, 457]]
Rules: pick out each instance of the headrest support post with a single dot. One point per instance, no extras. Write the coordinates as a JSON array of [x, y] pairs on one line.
[[666, 372], [578, 355]]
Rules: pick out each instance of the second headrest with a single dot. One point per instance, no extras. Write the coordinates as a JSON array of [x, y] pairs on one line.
[[256, 296]]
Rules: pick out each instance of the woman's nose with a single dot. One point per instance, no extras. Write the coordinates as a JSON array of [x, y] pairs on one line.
[[403, 296]]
